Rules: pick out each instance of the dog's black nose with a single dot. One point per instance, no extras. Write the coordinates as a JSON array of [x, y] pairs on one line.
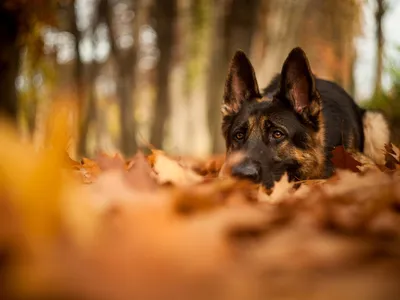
[[247, 170]]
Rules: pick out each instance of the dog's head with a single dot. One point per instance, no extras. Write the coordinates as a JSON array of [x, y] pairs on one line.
[[278, 133]]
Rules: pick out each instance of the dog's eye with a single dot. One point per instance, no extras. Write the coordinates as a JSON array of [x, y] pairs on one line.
[[239, 135], [277, 134]]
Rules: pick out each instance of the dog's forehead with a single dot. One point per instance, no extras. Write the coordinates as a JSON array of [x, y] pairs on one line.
[[271, 110], [266, 98], [266, 109], [264, 106]]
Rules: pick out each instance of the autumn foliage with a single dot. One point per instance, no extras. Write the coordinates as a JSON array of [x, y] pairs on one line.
[[164, 227]]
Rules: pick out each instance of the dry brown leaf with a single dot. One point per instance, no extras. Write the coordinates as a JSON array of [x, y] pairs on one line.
[[89, 170], [170, 171], [107, 162], [140, 174], [207, 167], [367, 163], [342, 159], [126, 237], [210, 195], [71, 163], [281, 190], [392, 157]]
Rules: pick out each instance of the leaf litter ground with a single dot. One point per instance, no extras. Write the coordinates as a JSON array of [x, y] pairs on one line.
[[163, 227]]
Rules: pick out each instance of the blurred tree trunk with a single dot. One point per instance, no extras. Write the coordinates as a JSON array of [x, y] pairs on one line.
[[218, 68], [260, 39], [179, 103], [94, 117], [324, 29], [78, 67], [79, 79], [28, 104], [241, 24], [126, 74], [234, 27], [379, 15], [31, 111], [9, 61], [165, 14], [88, 108], [328, 35], [195, 76], [282, 32]]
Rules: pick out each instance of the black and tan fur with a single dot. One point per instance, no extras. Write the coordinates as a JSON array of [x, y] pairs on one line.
[[294, 124]]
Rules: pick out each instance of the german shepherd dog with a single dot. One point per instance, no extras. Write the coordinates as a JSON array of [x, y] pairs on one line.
[[295, 123]]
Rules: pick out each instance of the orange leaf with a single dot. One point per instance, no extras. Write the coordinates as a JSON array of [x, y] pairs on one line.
[[89, 170], [391, 157], [342, 159], [170, 171], [107, 162], [139, 175]]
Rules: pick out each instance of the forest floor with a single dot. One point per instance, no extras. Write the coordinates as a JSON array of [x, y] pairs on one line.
[[164, 227]]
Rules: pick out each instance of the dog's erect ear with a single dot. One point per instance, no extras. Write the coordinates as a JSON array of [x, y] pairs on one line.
[[241, 84], [298, 84]]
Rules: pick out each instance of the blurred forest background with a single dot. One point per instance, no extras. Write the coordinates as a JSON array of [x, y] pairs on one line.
[[152, 71]]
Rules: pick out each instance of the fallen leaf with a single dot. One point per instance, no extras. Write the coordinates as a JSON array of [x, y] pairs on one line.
[[342, 159], [71, 163], [126, 236], [392, 157], [170, 171], [105, 162], [89, 170], [32, 181], [367, 163], [282, 189], [209, 167], [139, 174]]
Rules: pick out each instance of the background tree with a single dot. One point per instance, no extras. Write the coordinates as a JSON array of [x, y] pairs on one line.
[[89, 113], [234, 24], [150, 71], [125, 57], [9, 58], [165, 15], [381, 8]]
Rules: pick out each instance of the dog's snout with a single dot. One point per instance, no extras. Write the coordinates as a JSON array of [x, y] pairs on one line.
[[247, 170]]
